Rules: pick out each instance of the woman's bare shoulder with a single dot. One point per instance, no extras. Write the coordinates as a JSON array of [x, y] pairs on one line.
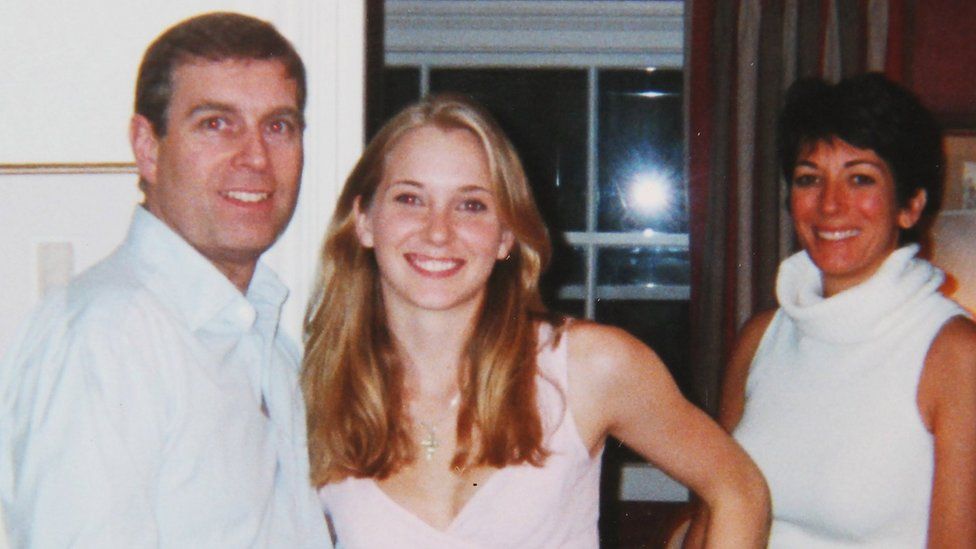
[[732, 399], [754, 328], [949, 373], [747, 341], [952, 354], [616, 382], [957, 334], [601, 348]]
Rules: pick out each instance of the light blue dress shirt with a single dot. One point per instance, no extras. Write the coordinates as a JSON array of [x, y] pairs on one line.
[[151, 404]]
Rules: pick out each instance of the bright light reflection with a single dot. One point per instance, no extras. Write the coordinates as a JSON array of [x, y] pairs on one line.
[[654, 94], [649, 193]]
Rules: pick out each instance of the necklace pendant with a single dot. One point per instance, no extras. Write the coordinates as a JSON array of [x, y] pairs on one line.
[[429, 443]]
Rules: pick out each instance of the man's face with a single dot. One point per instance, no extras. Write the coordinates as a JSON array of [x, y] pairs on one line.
[[226, 175]]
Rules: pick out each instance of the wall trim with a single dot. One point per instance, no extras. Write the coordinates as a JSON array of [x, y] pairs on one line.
[[68, 168]]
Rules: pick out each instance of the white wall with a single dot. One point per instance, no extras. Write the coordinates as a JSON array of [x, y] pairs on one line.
[[89, 213], [65, 99]]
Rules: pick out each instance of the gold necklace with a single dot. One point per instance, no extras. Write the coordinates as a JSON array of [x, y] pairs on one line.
[[429, 441]]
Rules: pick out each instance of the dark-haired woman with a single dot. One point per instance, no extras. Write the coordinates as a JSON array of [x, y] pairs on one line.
[[446, 407], [857, 397]]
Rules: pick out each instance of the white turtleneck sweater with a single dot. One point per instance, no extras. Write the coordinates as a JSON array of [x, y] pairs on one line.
[[831, 416]]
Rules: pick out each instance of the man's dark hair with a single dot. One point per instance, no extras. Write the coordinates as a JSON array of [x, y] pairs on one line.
[[871, 112], [211, 37]]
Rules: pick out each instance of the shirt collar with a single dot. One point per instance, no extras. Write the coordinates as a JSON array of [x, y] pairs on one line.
[[191, 285]]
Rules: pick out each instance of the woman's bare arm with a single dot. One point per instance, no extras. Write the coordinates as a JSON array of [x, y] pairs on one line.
[[732, 401], [947, 402], [618, 386]]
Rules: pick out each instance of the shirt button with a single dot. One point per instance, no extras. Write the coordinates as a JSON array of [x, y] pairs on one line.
[[246, 316]]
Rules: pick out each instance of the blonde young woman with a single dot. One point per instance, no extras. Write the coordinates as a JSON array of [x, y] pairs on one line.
[[446, 406]]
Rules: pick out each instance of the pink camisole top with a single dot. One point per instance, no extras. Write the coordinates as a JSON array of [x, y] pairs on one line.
[[553, 506]]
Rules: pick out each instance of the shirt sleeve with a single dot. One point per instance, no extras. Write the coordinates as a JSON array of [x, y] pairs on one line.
[[85, 432]]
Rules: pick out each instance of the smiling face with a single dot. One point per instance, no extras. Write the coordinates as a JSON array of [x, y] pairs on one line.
[[226, 175], [433, 222], [845, 211]]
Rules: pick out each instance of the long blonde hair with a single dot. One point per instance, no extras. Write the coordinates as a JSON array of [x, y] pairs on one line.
[[352, 378]]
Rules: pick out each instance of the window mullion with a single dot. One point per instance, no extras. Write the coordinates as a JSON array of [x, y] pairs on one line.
[[591, 191], [424, 80]]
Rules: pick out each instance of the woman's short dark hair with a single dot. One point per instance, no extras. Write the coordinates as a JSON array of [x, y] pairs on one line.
[[212, 37], [871, 112]]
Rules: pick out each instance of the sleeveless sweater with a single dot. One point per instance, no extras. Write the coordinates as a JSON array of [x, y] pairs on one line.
[[831, 416], [522, 506]]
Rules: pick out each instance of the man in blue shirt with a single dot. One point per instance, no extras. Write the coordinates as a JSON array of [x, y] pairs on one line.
[[154, 402]]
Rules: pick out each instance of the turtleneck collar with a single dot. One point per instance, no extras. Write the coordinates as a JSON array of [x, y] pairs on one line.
[[861, 312]]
